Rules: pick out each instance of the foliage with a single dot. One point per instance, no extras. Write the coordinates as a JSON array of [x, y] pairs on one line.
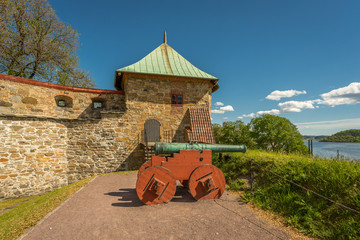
[[234, 133], [276, 134], [35, 44], [267, 132], [337, 180], [352, 135]]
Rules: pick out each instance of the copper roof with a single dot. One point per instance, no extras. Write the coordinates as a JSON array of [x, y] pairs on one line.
[[201, 129], [164, 60]]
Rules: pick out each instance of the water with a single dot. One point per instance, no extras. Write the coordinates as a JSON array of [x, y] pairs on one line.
[[329, 149]]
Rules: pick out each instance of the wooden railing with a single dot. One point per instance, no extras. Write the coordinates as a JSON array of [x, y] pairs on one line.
[[166, 136]]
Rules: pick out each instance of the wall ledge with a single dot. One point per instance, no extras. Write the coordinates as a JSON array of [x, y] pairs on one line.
[[60, 87], [44, 117]]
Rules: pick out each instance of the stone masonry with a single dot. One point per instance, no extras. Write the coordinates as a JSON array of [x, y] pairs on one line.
[[44, 146]]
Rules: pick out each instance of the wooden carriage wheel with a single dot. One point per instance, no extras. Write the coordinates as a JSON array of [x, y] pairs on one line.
[[156, 185], [206, 182], [145, 165]]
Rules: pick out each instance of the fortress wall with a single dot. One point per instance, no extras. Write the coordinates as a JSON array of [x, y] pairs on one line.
[[24, 97], [95, 147], [32, 156], [44, 146]]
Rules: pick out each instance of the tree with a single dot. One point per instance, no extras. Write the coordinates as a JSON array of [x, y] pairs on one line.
[[234, 133], [35, 44], [276, 134]]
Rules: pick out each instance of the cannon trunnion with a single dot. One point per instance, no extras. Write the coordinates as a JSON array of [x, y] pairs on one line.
[[190, 163]]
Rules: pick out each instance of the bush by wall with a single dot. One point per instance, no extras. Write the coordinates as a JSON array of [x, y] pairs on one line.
[[336, 180]]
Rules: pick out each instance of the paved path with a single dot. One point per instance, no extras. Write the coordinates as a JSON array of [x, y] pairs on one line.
[[108, 208]]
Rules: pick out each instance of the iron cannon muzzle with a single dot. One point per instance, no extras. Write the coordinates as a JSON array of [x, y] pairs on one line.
[[169, 148]]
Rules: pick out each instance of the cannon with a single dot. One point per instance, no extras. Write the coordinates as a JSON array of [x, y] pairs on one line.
[[190, 163]]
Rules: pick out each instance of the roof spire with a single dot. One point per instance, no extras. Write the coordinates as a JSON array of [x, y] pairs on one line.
[[165, 40]]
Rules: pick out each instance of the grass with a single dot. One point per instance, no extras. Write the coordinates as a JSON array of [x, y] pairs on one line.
[[13, 202], [335, 179], [14, 222]]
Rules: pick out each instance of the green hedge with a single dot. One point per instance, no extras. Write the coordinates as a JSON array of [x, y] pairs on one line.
[[337, 180]]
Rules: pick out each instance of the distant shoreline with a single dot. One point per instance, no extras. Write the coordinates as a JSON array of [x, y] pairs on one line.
[[322, 140]]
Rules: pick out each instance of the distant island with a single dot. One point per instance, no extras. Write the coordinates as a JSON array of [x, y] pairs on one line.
[[352, 135], [309, 137]]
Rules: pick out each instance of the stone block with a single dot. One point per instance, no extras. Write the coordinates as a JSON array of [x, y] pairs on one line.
[[16, 128], [29, 100], [5, 104]]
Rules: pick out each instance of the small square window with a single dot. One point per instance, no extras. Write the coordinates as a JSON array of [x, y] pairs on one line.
[[61, 103], [176, 99], [179, 99], [97, 105]]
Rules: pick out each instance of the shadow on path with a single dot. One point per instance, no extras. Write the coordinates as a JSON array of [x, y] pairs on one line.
[[129, 198]]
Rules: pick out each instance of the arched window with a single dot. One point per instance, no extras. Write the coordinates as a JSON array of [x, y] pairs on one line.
[[64, 101]]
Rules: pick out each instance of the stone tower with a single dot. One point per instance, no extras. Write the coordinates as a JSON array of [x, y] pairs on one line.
[[164, 87]]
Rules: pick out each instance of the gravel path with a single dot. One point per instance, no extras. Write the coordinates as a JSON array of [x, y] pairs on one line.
[[108, 208]]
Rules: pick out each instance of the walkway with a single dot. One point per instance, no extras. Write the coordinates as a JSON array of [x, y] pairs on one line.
[[108, 208]]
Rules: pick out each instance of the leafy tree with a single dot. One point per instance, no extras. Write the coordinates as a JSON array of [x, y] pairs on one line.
[[35, 44], [234, 133], [217, 132], [276, 134]]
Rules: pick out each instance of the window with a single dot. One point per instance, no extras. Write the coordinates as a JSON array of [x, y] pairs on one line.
[[97, 105], [64, 101], [61, 103], [176, 99]]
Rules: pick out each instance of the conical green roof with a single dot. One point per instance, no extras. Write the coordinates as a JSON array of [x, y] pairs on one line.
[[164, 60]]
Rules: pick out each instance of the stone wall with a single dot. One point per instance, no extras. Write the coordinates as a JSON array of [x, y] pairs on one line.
[[44, 146], [32, 156], [21, 97], [149, 97]]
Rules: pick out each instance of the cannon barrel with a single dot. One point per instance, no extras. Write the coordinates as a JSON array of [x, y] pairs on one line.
[[167, 148]]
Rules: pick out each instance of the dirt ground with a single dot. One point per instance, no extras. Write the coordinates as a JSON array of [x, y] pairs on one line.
[[108, 208]]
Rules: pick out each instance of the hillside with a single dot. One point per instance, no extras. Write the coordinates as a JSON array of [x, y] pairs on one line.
[[352, 135]]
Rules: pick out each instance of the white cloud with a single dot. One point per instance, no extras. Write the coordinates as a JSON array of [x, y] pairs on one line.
[[240, 117], [346, 95], [225, 118], [327, 127], [219, 104], [272, 112], [217, 111], [227, 108], [297, 106], [277, 95], [251, 115]]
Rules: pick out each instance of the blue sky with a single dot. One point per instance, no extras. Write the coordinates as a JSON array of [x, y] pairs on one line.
[[296, 59]]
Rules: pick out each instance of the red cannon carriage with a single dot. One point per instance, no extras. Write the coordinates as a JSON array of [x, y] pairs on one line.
[[190, 163]]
